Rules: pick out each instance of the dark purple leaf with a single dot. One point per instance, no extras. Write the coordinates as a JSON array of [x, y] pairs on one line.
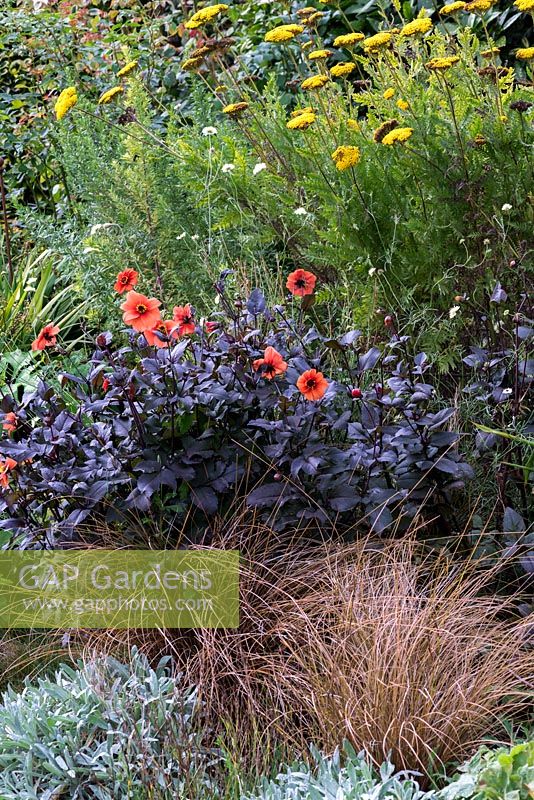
[[256, 303], [369, 360]]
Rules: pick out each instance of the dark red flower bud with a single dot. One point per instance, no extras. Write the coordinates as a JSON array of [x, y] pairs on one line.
[[388, 321], [278, 476], [356, 392]]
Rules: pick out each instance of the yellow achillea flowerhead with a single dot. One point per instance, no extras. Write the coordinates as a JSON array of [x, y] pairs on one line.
[[301, 121], [297, 111], [221, 88], [200, 52], [108, 96], [377, 42], [397, 135], [348, 39], [305, 45], [353, 125], [235, 108], [417, 26], [493, 51], [127, 69], [66, 100], [205, 15], [279, 35], [316, 55], [283, 33], [346, 156], [403, 105], [315, 82], [340, 70], [313, 18], [191, 64], [453, 8], [524, 5], [480, 6], [441, 64], [388, 94], [305, 12], [291, 26], [525, 53]]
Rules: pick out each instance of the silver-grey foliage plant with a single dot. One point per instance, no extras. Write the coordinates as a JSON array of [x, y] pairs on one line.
[[102, 732], [343, 776]]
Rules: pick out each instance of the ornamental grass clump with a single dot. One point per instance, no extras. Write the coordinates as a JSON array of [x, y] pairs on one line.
[[405, 655]]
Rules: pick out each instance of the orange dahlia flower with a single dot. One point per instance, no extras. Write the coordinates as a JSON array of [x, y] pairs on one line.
[[301, 282], [10, 422], [126, 280], [312, 384], [5, 467], [271, 364], [167, 330], [140, 312], [184, 316], [47, 337]]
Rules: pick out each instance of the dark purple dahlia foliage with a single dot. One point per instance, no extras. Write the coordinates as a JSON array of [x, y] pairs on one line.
[[184, 429], [501, 369]]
